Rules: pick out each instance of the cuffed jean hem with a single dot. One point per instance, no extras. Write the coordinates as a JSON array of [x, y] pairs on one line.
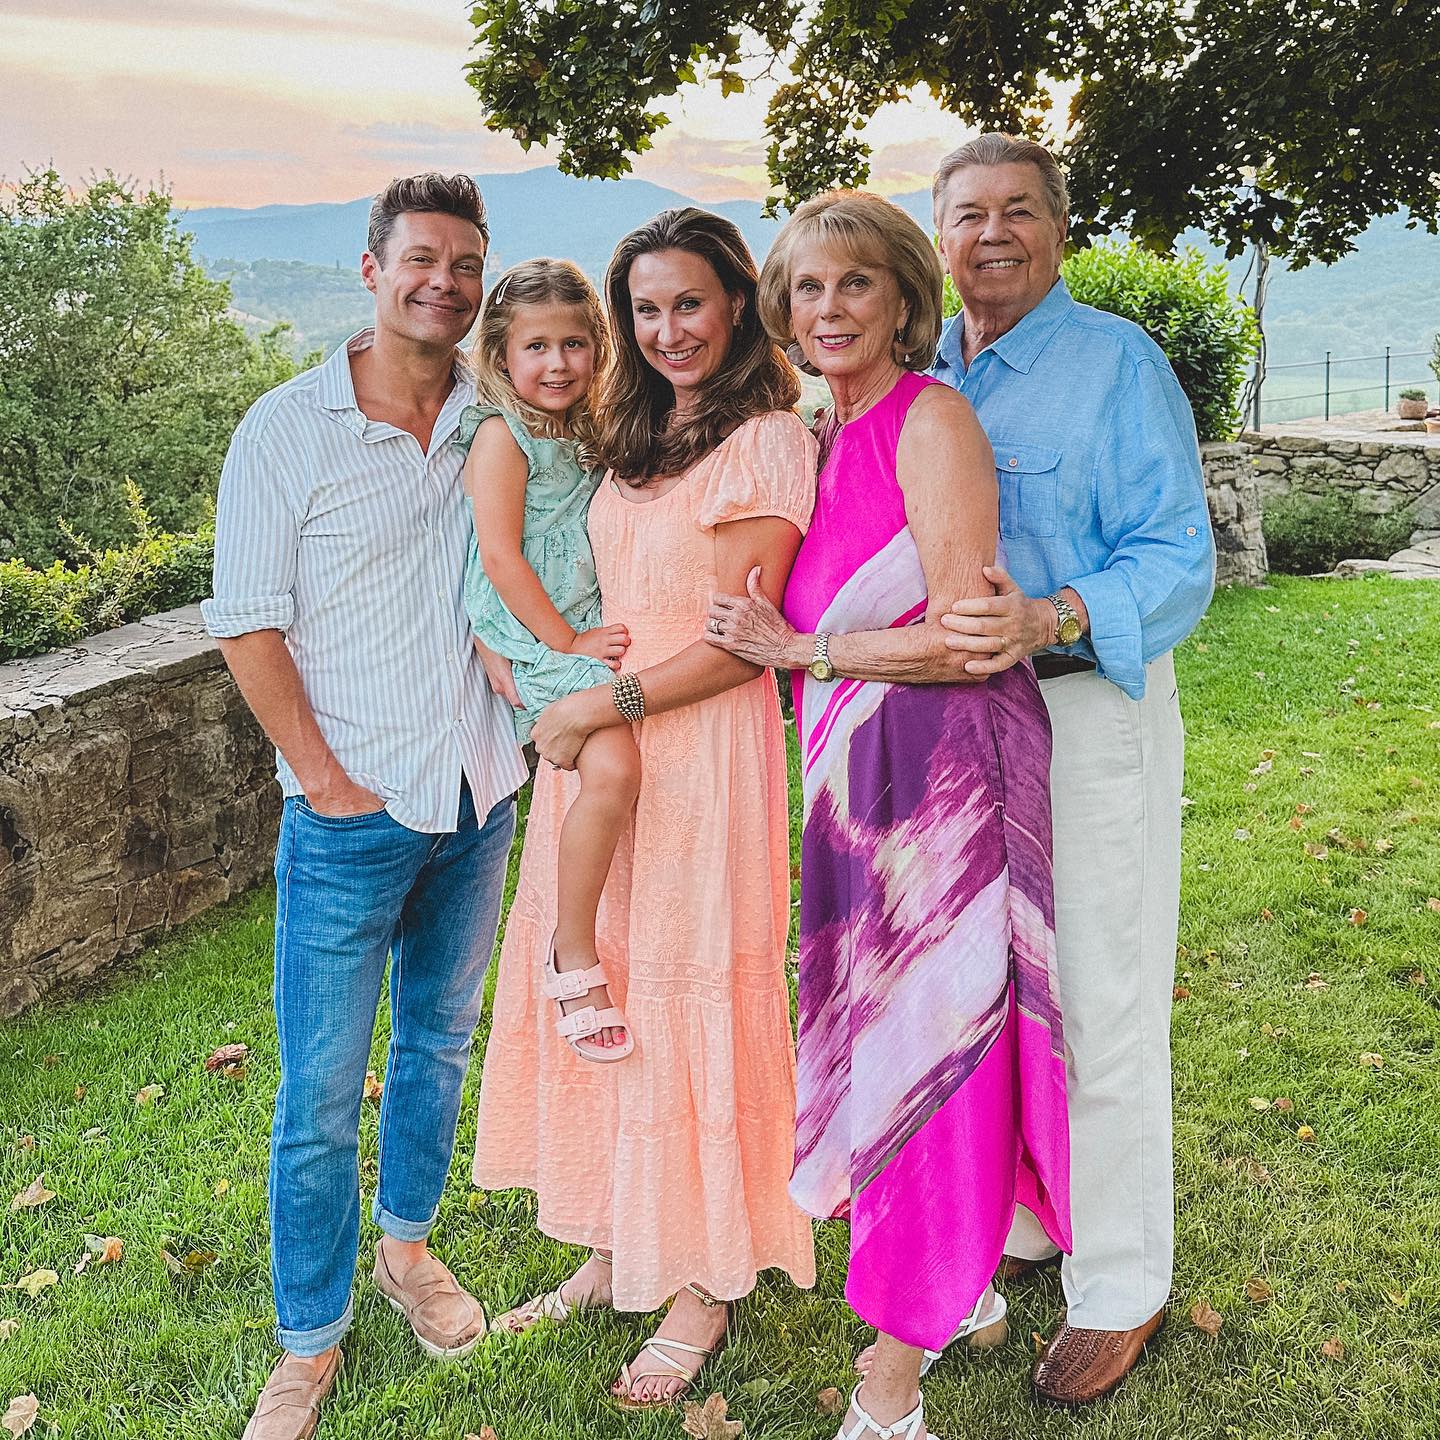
[[398, 1229], [308, 1343]]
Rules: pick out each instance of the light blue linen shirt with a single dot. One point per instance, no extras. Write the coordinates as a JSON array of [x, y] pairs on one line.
[[1099, 474]]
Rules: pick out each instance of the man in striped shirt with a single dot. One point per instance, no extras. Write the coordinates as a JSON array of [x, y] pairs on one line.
[[340, 545]]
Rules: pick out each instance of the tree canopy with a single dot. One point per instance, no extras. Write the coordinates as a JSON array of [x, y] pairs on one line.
[[118, 361], [1290, 122]]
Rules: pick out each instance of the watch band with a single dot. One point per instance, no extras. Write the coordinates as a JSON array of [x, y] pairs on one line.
[[1065, 619]]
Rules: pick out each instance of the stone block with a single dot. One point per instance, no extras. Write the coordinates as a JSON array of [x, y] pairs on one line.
[[135, 791], [1403, 469]]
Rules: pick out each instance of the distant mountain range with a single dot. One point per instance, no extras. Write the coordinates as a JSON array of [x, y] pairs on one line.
[[298, 263]]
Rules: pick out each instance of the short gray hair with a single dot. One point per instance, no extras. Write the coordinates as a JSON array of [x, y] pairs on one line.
[[997, 148]]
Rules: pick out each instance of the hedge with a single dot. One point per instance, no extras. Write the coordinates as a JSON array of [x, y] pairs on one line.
[[42, 610]]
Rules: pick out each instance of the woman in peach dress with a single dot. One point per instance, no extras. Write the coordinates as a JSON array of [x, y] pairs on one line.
[[673, 1163]]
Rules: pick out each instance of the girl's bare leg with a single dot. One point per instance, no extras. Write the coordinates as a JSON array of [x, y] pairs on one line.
[[609, 767]]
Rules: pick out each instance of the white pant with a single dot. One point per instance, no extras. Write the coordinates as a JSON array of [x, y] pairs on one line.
[[1115, 792]]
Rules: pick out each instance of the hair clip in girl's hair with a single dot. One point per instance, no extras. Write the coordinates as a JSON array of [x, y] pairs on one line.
[[499, 296]]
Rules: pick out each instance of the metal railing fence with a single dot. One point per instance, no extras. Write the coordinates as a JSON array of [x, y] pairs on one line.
[[1384, 385]]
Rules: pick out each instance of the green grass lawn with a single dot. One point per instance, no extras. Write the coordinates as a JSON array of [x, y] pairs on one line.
[[1312, 846]]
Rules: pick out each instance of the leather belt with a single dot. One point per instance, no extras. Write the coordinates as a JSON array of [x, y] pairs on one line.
[[1048, 664]]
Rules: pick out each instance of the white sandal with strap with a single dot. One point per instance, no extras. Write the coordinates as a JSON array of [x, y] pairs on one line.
[[552, 1305], [576, 1027], [907, 1427], [657, 1346], [982, 1329]]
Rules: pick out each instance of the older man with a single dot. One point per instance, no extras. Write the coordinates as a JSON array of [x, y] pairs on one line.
[[1106, 532]]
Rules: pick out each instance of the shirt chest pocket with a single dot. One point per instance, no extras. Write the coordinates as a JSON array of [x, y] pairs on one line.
[[1029, 481]]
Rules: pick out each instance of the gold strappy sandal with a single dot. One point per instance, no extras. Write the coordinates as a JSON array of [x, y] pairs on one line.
[[657, 1346], [552, 1306]]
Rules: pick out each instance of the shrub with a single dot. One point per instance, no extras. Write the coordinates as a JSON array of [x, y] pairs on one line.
[[1413, 395], [1185, 306], [42, 610], [1306, 534]]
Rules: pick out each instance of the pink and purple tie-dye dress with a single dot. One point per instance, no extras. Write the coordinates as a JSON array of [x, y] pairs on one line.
[[931, 1068]]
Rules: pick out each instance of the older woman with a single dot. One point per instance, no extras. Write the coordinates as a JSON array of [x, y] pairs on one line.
[[932, 1085]]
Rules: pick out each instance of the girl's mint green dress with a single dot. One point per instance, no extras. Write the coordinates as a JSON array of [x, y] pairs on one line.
[[555, 542]]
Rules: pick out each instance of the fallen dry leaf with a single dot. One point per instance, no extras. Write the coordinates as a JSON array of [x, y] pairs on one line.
[[1258, 1102], [1267, 914], [50, 1061], [1369, 1060], [1249, 1167], [1433, 903], [1398, 1298], [1383, 846], [1258, 1291], [149, 1094], [1181, 992], [82, 1262], [830, 1402], [1204, 1316], [708, 1422], [20, 1415], [222, 1188], [1263, 768], [486, 1433], [24, 1142], [1316, 852], [475, 1201], [236, 1054], [1358, 917], [33, 1283], [374, 1086], [1316, 982], [8, 1328], [186, 1269], [1333, 1348], [1284, 1104], [1295, 823], [1305, 1135], [107, 1249], [80, 1091], [32, 1195]]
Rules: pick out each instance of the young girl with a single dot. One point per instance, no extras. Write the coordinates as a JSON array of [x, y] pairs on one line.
[[532, 595]]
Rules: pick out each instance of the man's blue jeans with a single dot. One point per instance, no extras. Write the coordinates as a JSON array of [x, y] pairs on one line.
[[349, 892]]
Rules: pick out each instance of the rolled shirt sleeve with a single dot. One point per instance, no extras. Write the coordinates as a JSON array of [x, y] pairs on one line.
[[257, 538], [1150, 502]]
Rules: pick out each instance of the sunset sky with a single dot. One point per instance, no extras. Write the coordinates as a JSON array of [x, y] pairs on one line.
[[255, 102]]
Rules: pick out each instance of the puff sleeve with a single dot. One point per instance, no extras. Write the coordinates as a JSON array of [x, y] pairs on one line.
[[767, 467]]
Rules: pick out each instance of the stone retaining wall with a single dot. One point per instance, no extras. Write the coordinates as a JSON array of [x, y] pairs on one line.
[[1235, 515], [1383, 475], [135, 791]]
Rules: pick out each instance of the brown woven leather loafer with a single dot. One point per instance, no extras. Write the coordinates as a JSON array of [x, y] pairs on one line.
[[1079, 1366], [447, 1321], [289, 1405]]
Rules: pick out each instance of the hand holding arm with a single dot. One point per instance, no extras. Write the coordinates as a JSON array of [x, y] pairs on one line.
[[1006, 627], [698, 672]]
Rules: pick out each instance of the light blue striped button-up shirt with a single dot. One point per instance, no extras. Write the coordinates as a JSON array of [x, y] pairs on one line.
[[337, 531], [1099, 474]]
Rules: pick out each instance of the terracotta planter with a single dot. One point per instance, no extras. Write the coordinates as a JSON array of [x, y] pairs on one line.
[[1432, 427], [1412, 409]]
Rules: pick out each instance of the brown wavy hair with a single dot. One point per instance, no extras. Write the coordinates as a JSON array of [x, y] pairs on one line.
[[539, 282], [640, 436]]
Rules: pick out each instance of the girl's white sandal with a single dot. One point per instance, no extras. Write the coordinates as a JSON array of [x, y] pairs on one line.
[[907, 1427], [576, 1027]]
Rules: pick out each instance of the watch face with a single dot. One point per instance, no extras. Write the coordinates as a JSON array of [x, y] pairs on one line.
[[820, 670], [1069, 632]]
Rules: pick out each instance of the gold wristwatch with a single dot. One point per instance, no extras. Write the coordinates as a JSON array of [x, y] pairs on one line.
[[820, 667], [1067, 628]]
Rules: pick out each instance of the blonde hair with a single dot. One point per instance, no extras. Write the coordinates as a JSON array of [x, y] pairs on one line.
[[539, 282], [875, 231]]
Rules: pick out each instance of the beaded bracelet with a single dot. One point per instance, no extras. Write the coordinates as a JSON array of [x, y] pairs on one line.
[[629, 697]]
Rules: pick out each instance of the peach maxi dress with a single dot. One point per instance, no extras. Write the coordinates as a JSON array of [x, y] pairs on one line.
[[677, 1158]]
